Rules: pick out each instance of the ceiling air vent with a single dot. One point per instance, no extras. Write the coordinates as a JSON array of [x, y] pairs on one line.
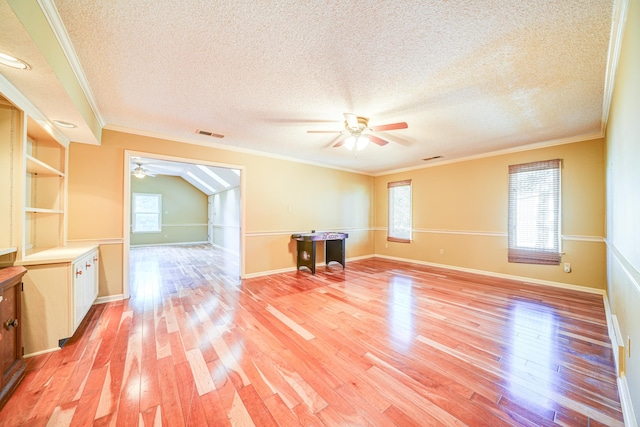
[[207, 133], [432, 158]]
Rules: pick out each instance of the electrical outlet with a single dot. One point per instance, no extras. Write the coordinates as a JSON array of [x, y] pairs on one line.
[[567, 267]]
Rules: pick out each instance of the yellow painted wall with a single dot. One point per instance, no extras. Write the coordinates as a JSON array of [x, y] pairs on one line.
[[623, 201], [282, 197], [461, 208], [184, 211], [8, 124]]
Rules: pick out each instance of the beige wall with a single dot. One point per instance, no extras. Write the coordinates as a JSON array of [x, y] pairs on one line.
[[282, 197], [184, 211], [461, 209], [623, 200], [8, 124]]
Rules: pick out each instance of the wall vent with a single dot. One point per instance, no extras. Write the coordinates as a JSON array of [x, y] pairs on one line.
[[432, 158], [208, 133]]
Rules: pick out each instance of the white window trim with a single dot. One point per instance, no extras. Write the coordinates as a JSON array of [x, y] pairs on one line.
[[133, 213], [390, 229]]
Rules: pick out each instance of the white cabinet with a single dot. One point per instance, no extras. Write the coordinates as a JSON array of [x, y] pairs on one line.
[[61, 282], [60, 286], [85, 286]]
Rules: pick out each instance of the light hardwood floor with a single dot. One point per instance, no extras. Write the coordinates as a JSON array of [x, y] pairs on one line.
[[379, 343]]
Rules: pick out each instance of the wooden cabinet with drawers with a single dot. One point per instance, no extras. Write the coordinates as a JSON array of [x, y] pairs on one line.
[[12, 365]]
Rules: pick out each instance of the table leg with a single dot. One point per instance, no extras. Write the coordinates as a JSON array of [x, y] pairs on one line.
[[307, 255]]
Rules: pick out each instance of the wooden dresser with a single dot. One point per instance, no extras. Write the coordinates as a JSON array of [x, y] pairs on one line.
[[12, 365]]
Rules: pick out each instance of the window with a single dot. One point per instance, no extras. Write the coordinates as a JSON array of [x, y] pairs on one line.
[[534, 212], [399, 211], [146, 213]]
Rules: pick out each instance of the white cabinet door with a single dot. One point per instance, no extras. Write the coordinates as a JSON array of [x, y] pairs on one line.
[[79, 277], [91, 280], [85, 286]]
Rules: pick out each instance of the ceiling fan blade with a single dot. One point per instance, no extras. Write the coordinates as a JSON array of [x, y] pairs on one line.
[[324, 131], [352, 120], [339, 143], [377, 140], [391, 126]]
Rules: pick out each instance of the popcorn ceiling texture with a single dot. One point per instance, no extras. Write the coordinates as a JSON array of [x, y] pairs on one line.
[[467, 76]]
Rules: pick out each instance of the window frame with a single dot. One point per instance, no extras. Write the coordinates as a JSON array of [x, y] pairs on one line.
[[391, 230], [134, 213], [539, 253]]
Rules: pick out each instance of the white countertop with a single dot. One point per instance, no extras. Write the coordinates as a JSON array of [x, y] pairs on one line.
[[5, 251], [57, 255]]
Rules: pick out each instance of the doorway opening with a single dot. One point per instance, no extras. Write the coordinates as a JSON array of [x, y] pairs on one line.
[[174, 201]]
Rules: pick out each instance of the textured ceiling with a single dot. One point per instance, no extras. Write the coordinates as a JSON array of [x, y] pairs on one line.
[[468, 77]]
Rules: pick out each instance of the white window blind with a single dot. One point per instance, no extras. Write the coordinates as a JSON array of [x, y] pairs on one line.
[[399, 211], [534, 212], [146, 212]]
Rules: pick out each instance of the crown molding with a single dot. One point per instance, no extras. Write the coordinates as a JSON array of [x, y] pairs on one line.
[[16, 97], [520, 148], [209, 144], [618, 24], [53, 17]]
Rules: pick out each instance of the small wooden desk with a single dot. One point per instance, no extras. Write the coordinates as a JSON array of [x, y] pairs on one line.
[[306, 245]]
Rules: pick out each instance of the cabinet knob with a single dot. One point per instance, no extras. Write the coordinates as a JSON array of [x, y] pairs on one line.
[[11, 323], [78, 273], [95, 258], [88, 265]]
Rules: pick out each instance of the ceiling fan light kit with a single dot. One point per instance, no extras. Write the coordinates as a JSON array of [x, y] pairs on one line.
[[358, 142], [360, 133], [140, 172]]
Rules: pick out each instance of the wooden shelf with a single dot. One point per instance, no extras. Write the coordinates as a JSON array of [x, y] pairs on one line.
[[41, 210], [37, 167]]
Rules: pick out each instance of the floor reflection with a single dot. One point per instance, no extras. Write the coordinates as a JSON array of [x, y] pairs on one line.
[[532, 356], [401, 316]]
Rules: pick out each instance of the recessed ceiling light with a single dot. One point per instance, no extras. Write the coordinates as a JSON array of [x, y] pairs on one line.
[[13, 62], [64, 124]]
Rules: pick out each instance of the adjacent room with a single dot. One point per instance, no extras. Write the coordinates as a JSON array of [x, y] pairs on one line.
[[303, 213]]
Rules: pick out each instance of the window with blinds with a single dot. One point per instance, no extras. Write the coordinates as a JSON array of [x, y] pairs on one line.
[[534, 212], [399, 229]]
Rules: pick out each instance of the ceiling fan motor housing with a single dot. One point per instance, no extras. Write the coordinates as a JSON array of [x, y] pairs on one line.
[[357, 128]]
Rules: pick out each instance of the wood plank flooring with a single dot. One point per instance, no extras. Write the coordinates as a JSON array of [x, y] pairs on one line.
[[380, 343]]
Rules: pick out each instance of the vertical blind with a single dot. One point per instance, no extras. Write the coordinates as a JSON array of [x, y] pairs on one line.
[[399, 211], [534, 212]]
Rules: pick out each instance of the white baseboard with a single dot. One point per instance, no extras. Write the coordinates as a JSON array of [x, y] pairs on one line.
[[289, 269], [38, 353], [170, 244], [625, 400], [501, 275], [109, 298]]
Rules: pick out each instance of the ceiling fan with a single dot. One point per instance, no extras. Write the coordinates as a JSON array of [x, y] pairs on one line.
[[358, 132], [140, 172]]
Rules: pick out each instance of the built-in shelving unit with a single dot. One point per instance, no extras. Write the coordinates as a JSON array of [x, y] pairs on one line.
[[61, 282], [44, 201]]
